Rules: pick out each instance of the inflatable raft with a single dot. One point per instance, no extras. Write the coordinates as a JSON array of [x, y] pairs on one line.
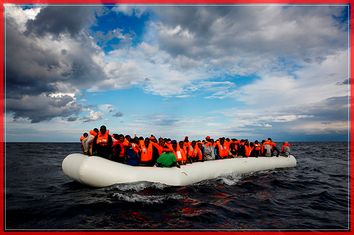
[[99, 172]]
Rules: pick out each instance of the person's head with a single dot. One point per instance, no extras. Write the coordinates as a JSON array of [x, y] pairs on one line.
[[186, 139], [95, 130], [207, 138], [222, 140], [200, 145], [121, 138], [256, 142], [193, 143], [212, 141], [141, 138], [116, 136], [162, 142], [128, 137], [227, 139], [251, 144], [103, 129], [269, 139], [181, 144], [147, 142], [174, 144], [85, 134]]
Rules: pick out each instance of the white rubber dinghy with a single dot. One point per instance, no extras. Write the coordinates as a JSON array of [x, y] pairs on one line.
[[99, 172]]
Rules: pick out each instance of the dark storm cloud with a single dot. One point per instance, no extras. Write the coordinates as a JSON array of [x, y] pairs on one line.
[[42, 107], [332, 109], [37, 66], [61, 19]]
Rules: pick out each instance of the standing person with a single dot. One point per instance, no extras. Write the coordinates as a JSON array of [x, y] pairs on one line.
[[84, 146], [285, 148], [267, 148], [90, 139], [103, 143], [274, 147]]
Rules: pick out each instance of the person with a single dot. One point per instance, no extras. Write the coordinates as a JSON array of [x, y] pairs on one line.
[[118, 148], [285, 148], [267, 148], [132, 152], [274, 147], [84, 146], [248, 149], [200, 156], [209, 150], [257, 149], [177, 151], [194, 153], [148, 153], [90, 139], [103, 143], [233, 150], [222, 149], [167, 159]]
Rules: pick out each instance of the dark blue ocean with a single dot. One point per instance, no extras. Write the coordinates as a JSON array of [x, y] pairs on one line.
[[313, 196]]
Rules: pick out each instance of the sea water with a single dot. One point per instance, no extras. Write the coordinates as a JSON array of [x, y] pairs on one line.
[[312, 196]]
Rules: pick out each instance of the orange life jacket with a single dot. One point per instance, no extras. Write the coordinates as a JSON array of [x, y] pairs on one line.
[[102, 139], [82, 138], [180, 154], [195, 152], [146, 153], [92, 132], [248, 150], [223, 150], [257, 147]]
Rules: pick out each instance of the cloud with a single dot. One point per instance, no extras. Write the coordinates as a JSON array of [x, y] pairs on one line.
[[42, 107], [56, 20], [107, 108], [118, 114], [93, 116], [39, 66]]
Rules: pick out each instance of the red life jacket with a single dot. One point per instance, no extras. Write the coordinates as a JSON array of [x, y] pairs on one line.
[[82, 138]]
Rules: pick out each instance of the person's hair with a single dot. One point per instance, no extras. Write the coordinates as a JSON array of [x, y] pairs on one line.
[[103, 127], [85, 134], [95, 130]]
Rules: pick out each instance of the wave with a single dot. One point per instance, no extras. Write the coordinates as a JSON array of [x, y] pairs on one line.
[[146, 199]]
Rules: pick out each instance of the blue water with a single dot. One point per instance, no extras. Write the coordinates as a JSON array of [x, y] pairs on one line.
[[312, 196]]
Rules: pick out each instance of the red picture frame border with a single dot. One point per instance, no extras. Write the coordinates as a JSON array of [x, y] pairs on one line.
[[161, 2]]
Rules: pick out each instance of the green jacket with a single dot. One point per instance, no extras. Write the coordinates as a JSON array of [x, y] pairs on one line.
[[167, 160]]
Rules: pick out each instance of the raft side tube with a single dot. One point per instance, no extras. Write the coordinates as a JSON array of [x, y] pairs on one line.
[[99, 172]]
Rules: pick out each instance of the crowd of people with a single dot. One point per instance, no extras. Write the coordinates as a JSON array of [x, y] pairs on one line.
[[164, 152]]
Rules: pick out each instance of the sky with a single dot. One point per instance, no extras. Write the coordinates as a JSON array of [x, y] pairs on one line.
[[237, 71]]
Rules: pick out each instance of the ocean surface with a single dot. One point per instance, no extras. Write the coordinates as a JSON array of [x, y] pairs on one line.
[[313, 196]]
